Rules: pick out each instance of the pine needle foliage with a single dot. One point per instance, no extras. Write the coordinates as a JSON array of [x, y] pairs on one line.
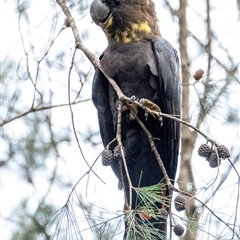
[[66, 225], [192, 225], [139, 227], [151, 195]]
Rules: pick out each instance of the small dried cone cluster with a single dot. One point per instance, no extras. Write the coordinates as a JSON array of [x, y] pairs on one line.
[[180, 203], [198, 74], [107, 157], [204, 150], [178, 230], [213, 160], [211, 156], [117, 153], [223, 152]]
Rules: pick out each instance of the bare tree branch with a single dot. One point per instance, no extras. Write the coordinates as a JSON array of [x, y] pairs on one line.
[[93, 59], [36, 109]]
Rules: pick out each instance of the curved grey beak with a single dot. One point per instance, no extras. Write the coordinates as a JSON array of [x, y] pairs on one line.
[[99, 11]]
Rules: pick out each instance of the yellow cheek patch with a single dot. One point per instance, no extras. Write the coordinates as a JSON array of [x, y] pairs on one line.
[[133, 33], [126, 39], [125, 36], [109, 22], [141, 27]]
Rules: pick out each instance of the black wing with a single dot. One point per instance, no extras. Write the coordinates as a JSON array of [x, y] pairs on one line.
[[170, 100], [101, 101], [100, 98]]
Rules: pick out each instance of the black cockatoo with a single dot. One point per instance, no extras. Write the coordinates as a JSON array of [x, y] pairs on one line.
[[146, 66]]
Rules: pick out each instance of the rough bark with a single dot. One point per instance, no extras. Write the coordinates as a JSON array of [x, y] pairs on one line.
[[186, 178]]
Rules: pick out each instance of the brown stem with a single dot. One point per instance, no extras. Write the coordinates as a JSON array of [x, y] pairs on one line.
[[36, 109], [119, 140], [93, 59], [152, 144]]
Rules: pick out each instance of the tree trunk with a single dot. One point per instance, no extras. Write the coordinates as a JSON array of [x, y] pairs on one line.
[[186, 179]]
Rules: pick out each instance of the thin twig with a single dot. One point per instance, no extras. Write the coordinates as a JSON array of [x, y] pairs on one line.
[[153, 147], [155, 113], [189, 125], [238, 195], [74, 187], [72, 116], [223, 178], [93, 59], [36, 109], [211, 211], [27, 59], [119, 140]]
